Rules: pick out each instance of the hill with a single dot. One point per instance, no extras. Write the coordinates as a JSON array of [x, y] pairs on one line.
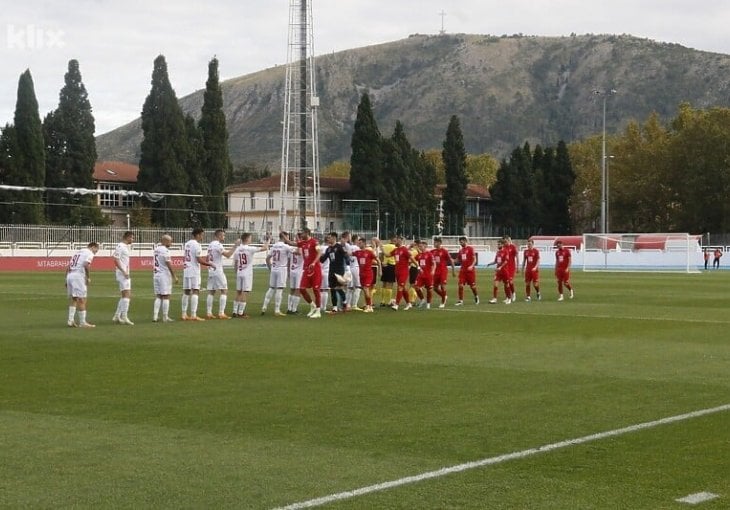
[[505, 89]]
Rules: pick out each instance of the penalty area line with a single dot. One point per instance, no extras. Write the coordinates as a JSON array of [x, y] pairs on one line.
[[500, 458]]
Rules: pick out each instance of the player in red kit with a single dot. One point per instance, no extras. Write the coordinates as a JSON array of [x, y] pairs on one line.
[[366, 257], [441, 259], [403, 259], [467, 271], [531, 269], [562, 269], [424, 279], [512, 265], [500, 274], [311, 271]]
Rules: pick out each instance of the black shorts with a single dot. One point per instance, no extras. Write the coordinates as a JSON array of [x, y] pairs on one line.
[[388, 275], [412, 275]]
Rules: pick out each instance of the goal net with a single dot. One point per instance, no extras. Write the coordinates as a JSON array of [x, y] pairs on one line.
[[676, 252]]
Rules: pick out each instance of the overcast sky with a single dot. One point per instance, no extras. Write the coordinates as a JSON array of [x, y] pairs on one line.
[[116, 41]]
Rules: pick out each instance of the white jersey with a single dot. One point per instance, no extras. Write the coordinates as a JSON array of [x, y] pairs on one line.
[[296, 261], [243, 258], [161, 258], [80, 260], [215, 256], [192, 251], [121, 254], [350, 249], [279, 256]]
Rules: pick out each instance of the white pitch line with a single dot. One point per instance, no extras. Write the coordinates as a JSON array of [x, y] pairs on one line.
[[499, 459]]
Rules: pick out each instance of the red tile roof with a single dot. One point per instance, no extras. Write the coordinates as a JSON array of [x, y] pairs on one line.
[[115, 171], [472, 191]]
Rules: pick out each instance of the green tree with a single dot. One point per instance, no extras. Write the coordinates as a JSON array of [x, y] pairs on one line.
[[481, 169], [558, 181], [699, 170], [163, 150], [336, 169], [245, 172], [216, 164], [29, 168], [367, 158], [193, 162], [8, 169], [454, 156], [70, 151]]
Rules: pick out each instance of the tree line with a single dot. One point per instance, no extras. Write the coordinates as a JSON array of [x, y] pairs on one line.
[[185, 160], [389, 170]]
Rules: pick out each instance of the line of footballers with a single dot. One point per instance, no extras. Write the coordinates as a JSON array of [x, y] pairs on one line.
[[342, 269]]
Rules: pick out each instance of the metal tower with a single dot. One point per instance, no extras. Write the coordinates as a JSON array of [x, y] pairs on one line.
[[299, 148]]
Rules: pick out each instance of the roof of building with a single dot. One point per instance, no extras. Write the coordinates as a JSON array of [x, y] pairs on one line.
[[115, 171], [472, 191]]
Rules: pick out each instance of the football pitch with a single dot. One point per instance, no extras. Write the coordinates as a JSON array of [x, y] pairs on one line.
[[619, 398]]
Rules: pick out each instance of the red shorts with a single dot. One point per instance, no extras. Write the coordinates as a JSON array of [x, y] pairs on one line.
[[467, 277], [401, 276], [511, 272], [367, 279], [563, 275], [440, 277], [424, 280], [500, 275], [532, 276], [311, 279]]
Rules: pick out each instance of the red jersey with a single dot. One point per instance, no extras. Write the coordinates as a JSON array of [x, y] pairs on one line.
[[365, 260], [402, 258], [310, 254], [562, 259], [511, 266], [468, 258], [426, 262], [441, 258], [531, 256]]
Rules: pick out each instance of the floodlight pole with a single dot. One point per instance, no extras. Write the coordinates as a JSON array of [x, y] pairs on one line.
[[604, 178]]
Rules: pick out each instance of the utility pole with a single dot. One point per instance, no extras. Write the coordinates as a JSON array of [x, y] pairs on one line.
[[443, 15], [299, 148]]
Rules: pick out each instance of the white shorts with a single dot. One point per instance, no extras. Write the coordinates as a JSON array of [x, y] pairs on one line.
[[277, 278], [76, 285], [244, 282], [217, 280], [124, 283], [162, 284], [295, 277], [191, 282], [325, 281], [355, 282]]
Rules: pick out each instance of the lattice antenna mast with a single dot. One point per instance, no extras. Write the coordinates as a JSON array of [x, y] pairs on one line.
[[300, 146]]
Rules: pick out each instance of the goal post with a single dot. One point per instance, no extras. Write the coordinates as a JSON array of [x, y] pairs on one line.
[[642, 252]]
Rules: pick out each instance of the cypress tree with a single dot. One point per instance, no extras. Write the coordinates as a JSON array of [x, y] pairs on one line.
[[8, 168], [216, 164], [454, 155], [193, 163], [163, 150], [367, 158], [71, 152], [559, 184], [30, 166]]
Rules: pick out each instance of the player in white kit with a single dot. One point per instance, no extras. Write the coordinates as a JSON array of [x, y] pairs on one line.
[[192, 259], [277, 261], [217, 280], [162, 278], [243, 260], [354, 288], [295, 277], [77, 282], [121, 271]]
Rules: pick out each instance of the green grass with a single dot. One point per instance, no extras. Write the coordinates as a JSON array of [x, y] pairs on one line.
[[272, 411]]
